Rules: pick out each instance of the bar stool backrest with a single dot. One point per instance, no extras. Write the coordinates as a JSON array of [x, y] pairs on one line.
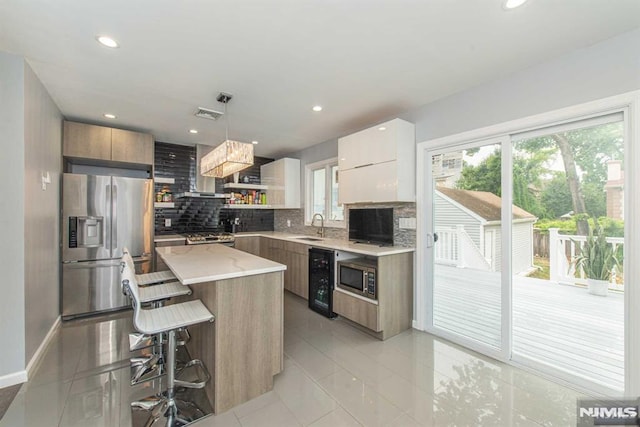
[[130, 283], [126, 257]]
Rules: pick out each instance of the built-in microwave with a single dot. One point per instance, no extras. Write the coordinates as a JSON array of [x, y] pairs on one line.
[[358, 276]]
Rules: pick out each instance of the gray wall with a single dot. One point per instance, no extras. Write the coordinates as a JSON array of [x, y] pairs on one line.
[[12, 307], [605, 69], [323, 151], [42, 145]]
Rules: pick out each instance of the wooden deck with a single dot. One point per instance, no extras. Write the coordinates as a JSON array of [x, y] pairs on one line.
[[559, 325]]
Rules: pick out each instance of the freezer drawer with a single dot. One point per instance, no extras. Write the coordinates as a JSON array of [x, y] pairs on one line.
[[91, 287]]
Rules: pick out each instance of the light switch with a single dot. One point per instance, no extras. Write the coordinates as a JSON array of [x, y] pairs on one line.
[[167, 222], [407, 223]]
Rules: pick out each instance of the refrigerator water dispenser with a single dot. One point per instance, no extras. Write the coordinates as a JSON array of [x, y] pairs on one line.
[[86, 231]]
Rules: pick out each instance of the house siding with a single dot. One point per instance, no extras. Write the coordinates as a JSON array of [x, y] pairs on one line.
[[449, 215]]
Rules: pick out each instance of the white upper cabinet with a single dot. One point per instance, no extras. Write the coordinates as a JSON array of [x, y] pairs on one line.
[[282, 179], [378, 164]]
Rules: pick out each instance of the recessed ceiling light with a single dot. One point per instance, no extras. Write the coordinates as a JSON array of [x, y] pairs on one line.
[[512, 4], [107, 41], [382, 128], [110, 116], [317, 108], [193, 131], [254, 142]]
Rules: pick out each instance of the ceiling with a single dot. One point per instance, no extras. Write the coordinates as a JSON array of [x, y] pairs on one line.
[[364, 61]]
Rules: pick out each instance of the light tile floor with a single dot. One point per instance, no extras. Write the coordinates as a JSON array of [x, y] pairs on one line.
[[334, 376]]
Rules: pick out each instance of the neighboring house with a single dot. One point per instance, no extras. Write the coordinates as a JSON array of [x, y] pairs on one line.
[[614, 189], [447, 168], [478, 214]]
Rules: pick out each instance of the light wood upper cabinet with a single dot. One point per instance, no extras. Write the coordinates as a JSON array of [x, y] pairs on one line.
[[132, 147], [86, 141], [378, 164]]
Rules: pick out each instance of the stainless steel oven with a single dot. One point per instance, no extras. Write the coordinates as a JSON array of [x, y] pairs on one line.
[[358, 276]]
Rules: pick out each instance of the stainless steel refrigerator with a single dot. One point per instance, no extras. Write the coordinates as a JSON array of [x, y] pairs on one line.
[[101, 215]]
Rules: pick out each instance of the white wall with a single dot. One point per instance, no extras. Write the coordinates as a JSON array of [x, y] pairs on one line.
[[12, 307], [43, 153]]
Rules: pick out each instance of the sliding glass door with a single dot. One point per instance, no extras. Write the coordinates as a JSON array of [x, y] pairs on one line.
[[465, 188], [517, 230], [568, 182]]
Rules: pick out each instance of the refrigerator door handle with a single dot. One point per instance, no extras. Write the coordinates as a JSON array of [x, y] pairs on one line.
[[107, 201], [114, 219], [92, 265]]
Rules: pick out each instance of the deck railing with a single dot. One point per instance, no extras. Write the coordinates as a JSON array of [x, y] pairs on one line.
[[564, 248], [455, 247]]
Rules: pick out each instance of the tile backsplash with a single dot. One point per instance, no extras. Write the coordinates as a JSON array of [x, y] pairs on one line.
[[401, 237], [198, 215]]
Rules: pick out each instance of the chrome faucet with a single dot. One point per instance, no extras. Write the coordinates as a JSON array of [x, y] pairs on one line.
[[313, 220]]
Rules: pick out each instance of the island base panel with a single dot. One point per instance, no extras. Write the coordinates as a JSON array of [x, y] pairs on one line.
[[243, 348]]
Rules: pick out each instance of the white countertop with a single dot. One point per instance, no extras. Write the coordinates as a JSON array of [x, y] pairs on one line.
[[340, 245], [169, 238], [206, 263]]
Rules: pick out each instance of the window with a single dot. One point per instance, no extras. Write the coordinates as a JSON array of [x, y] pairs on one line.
[[322, 193]]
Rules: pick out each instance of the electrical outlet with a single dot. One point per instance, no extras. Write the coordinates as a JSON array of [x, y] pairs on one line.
[[288, 223], [167, 222], [407, 223]]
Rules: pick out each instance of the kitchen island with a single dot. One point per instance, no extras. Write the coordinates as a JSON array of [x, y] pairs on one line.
[[243, 347]]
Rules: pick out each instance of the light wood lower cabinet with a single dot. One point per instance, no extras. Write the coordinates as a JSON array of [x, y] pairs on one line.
[[250, 244], [394, 312], [357, 310], [294, 255], [243, 347], [296, 277]]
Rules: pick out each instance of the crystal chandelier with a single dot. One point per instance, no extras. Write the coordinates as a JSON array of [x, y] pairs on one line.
[[228, 157]]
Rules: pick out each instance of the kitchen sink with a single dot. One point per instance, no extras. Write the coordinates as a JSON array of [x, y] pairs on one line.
[[309, 239]]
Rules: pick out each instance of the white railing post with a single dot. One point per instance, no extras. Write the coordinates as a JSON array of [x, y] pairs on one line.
[[554, 261], [459, 231]]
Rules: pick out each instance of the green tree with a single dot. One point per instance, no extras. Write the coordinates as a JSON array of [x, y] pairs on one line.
[[486, 176], [556, 197], [583, 150]]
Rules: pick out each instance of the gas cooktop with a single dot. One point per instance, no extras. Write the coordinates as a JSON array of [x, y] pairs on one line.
[[206, 237]]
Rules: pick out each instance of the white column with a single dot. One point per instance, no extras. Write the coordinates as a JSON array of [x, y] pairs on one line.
[[554, 266]]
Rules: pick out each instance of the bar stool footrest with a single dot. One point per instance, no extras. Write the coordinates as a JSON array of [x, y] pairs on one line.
[[146, 368], [138, 341], [193, 375], [191, 405]]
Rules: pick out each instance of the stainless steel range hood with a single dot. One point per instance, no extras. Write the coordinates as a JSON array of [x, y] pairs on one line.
[[205, 185]]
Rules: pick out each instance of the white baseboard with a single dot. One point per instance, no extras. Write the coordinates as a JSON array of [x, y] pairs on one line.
[[13, 379], [37, 356]]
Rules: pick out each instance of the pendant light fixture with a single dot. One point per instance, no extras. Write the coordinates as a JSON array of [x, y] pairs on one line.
[[228, 157]]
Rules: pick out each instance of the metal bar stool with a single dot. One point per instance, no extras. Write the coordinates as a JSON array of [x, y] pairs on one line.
[[147, 367], [168, 409]]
